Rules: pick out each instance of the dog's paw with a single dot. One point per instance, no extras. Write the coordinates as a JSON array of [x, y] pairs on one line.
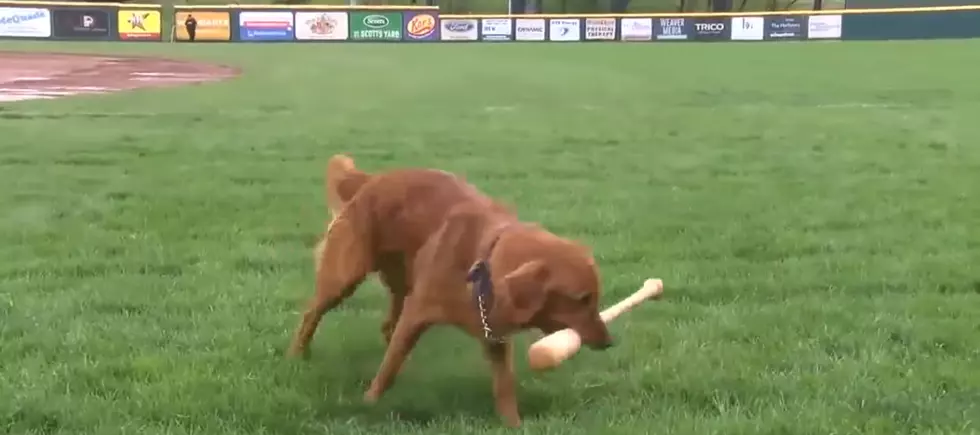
[[371, 397], [295, 353]]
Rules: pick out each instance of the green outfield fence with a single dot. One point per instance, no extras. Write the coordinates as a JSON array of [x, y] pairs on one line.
[[564, 6], [256, 23]]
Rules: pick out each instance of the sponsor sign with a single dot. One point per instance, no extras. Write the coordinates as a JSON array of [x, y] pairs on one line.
[[139, 25], [460, 30], [211, 26], [497, 29], [790, 27], [712, 29], [600, 29], [636, 29], [748, 28], [824, 27], [321, 26], [671, 28], [529, 29], [421, 26], [565, 29], [265, 26], [25, 22], [376, 26], [81, 23]]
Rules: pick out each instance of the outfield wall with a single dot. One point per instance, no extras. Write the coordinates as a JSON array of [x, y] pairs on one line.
[[318, 24]]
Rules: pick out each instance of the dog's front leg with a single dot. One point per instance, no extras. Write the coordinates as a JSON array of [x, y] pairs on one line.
[[504, 392], [411, 324]]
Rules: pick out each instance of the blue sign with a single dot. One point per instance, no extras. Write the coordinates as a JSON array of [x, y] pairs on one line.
[[672, 29], [266, 26]]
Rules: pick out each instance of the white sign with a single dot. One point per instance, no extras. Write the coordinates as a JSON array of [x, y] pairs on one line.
[[330, 26], [496, 29], [459, 30], [637, 29], [748, 28], [565, 29], [25, 22], [264, 20], [529, 29], [824, 27], [600, 28]]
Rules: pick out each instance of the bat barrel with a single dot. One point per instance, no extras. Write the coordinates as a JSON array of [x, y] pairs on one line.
[[553, 349]]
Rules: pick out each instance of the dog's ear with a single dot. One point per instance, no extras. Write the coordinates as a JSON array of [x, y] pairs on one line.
[[524, 292]]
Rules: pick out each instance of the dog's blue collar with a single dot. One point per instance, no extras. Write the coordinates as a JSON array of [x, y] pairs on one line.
[[479, 279], [482, 286]]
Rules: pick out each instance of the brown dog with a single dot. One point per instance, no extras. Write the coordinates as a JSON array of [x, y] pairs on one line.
[[428, 234]]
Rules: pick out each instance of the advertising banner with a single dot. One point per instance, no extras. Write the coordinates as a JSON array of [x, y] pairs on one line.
[[138, 25], [529, 29], [748, 28], [712, 29], [25, 22], [565, 29], [600, 29], [672, 29], [786, 28], [636, 29], [211, 26], [376, 26], [83, 24], [497, 29], [421, 26], [265, 26], [824, 27], [455, 29], [322, 26]]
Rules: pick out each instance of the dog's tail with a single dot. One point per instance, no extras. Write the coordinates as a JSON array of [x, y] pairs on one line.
[[343, 180]]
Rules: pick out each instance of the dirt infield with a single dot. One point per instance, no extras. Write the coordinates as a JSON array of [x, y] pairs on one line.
[[31, 76]]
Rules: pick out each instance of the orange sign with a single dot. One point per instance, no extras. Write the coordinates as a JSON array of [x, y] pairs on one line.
[[420, 26], [211, 26]]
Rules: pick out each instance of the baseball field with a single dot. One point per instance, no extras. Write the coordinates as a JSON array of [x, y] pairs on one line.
[[812, 209]]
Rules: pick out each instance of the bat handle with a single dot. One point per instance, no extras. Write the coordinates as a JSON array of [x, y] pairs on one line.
[[652, 288]]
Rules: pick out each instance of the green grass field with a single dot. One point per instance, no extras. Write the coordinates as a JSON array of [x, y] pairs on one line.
[[811, 207]]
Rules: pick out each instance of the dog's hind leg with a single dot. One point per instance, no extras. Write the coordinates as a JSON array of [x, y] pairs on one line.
[[345, 259], [392, 271]]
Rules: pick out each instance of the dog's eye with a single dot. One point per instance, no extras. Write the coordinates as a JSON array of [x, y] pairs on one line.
[[583, 298]]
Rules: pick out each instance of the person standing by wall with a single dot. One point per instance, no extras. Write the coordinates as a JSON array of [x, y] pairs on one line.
[[190, 24]]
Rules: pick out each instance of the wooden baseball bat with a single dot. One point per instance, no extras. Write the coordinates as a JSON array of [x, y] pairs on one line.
[[551, 350]]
